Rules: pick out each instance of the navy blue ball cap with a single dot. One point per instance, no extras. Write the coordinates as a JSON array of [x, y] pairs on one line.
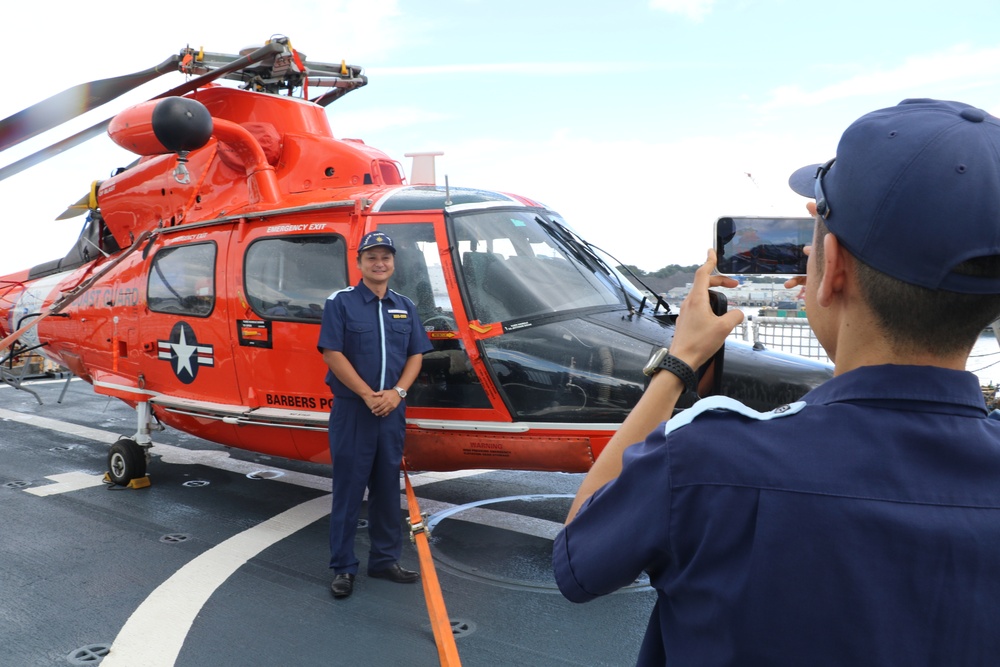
[[915, 191], [374, 240], [803, 180]]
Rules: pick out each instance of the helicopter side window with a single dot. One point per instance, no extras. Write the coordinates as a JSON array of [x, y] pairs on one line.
[[290, 278], [418, 274], [182, 280]]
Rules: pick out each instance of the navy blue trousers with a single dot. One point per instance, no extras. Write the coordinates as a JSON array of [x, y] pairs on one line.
[[366, 452]]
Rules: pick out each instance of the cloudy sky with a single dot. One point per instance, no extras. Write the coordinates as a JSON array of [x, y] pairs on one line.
[[641, 121]]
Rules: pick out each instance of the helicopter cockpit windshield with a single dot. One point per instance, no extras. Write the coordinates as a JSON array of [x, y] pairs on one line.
[[572, 347], [515, 268]]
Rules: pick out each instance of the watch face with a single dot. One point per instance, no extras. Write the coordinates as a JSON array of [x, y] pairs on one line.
[[654, 361]]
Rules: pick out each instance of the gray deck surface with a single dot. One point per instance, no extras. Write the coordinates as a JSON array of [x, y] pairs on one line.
[[194, 570]]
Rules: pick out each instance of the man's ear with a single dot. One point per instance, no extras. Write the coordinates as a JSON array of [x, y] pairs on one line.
[[836, 264]]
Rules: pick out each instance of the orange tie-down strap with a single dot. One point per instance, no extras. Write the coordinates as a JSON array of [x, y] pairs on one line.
[[440, 623]]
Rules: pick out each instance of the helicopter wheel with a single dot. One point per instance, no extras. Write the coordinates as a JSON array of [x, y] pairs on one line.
[[126, 461]]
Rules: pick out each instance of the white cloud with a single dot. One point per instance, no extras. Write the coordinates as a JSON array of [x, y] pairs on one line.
[[939, 74], [370, 122], [648, 204], [84, 44], [695, 10], [524, 68]]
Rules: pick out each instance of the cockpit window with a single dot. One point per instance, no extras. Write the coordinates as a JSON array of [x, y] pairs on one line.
[[419, 275], [182, 280], [289, 278], [519, 264]]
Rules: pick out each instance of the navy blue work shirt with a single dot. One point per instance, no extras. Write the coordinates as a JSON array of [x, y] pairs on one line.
[[376, 335], [860, 526]]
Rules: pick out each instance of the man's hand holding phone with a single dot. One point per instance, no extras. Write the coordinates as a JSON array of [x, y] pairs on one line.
[[699, 331]]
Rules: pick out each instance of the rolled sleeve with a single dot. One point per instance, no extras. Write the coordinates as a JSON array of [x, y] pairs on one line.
[[331, 331], [622, 530], [562, 568]]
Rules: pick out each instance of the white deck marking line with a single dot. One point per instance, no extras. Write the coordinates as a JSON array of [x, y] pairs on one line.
[[146, 639], [221, 460], [218, 459], [4, 385], [516, 523], [98, 435], [66, 482]]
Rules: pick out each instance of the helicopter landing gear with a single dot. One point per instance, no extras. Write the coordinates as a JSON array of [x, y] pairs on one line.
[[126, 462], [128, 457]]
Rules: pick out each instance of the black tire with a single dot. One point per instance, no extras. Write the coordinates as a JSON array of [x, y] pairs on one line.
[[126, 461]]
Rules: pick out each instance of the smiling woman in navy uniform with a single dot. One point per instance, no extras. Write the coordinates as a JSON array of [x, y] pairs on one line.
[[373, 343]]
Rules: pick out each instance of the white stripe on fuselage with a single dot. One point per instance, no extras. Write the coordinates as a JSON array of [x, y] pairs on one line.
[[31, 301]]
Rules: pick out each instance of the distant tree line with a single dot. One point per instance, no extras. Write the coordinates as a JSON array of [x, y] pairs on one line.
[[665, 272], [673, 269]]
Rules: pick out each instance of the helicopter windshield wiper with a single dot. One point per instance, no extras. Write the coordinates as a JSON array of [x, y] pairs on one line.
[[659, 299], [584, 252]]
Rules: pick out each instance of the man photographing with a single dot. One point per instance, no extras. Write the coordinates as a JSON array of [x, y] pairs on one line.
[[860, 525]]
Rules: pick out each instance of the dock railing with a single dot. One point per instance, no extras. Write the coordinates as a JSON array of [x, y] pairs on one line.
[[794, 335], [787, 334]]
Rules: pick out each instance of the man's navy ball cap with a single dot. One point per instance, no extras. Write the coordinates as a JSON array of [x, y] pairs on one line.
[[915, 191], [375, 240]]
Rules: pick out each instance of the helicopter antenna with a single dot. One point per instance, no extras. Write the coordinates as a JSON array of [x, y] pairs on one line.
[[95, 246], [770, 204]]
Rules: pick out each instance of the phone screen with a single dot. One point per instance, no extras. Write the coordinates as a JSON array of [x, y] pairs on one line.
[[752, 246]]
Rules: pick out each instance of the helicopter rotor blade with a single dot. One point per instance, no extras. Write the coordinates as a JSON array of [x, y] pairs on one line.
[[85, 203], [53, 150], [73, 102], [92, 131], [345, 79]]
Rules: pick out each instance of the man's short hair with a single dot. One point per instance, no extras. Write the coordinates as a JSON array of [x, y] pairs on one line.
[[919, 318]]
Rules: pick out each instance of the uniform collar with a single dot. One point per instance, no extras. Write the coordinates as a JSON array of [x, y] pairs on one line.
[[926, 384], [369, 296]]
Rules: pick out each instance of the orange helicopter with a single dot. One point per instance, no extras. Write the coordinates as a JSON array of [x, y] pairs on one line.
[[195, 290]]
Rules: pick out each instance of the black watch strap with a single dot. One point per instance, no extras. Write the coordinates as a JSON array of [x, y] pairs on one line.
[[681, 370]]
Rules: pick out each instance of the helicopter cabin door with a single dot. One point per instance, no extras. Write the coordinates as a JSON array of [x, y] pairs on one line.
[[185, 326], [282, 275]]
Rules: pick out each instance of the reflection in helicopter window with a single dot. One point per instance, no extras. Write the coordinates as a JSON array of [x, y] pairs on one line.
[[567, 372], [447, 379], [418, 274], [289, 278], [514, 268], [182, 280]]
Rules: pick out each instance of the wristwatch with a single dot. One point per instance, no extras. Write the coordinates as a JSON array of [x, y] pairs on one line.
[[400, 391], [661, 359]]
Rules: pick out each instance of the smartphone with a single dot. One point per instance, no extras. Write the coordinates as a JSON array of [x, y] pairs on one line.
[[755, 246]]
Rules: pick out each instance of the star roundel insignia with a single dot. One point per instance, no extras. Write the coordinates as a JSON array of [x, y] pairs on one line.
[[184, 352]]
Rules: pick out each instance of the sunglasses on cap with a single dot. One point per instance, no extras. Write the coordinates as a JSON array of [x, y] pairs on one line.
[[822, 205]]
